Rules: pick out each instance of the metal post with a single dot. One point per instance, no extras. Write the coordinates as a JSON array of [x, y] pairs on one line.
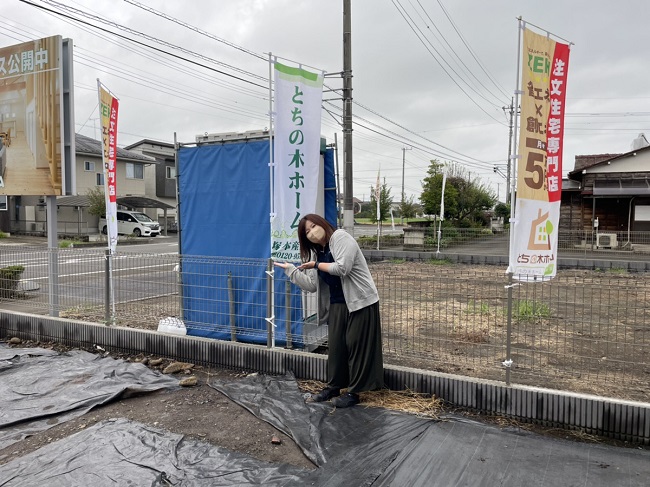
[[287, 314], [53, 255], [339, 212], [107, 287], [178, 231], [512, 258], [348, 205], [231, 302], [404, 149], [270, 305], [508, 362], [512, 110]]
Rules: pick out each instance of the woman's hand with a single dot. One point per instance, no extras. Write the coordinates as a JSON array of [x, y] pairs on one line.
[[284, 265], [307, 265]]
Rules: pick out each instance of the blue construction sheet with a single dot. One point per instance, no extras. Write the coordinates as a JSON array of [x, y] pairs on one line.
[[224, 204], [41, 388]]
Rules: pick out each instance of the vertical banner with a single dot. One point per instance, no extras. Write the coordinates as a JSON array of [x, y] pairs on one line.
[[296, 155], [108, 105], [533, 250]]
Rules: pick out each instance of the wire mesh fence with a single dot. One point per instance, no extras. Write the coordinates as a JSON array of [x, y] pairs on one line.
[[583, 331], [573, 243]]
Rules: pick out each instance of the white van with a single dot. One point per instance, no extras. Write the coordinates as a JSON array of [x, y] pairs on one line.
[[132, 223]]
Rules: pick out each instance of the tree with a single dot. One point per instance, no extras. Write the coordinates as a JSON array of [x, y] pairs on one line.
[[408, 207], [97, 201], [432, 192], [466, 200], [385, 202], [503, 211]]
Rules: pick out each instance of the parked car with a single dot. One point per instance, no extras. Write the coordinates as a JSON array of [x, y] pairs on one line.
[[132, 223]]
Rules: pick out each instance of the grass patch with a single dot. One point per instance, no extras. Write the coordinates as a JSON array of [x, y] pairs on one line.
[[3, 235], [618, 270], [435, 261], [530, 310], [397, 261], [477, 308]]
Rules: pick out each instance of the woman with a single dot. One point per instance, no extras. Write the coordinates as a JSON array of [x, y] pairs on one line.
[[334, 267]]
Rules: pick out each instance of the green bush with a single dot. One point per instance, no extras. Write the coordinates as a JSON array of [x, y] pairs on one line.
[[9, 278], [3, 235]]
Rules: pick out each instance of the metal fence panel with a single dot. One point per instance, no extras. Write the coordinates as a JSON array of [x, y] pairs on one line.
[[584, 331]]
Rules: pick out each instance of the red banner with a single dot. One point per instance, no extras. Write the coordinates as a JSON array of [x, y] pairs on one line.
[[108, 107], [555, 124]]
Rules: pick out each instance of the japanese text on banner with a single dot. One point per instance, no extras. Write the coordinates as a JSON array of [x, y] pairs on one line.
[[296, 155]]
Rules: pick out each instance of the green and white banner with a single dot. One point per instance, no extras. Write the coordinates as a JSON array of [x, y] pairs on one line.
[[296, 155]]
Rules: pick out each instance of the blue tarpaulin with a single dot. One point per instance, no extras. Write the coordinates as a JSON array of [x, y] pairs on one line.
[[224, 204]]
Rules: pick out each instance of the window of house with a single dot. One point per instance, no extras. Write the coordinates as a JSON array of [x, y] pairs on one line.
[[89, 166], [3, 202], [171, 172], [100, 179], [134, 171]]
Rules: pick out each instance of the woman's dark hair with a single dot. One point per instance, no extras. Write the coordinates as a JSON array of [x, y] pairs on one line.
[[305, 245]]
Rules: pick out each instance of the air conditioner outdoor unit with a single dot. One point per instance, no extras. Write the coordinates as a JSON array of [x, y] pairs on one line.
[[606, 241]]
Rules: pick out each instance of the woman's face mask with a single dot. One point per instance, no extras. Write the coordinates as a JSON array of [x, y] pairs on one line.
[[316, 234]]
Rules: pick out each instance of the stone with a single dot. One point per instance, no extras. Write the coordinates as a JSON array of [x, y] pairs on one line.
[[188, 381], [177, 367]]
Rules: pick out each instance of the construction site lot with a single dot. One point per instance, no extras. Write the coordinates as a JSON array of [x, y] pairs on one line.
[[584, 331]]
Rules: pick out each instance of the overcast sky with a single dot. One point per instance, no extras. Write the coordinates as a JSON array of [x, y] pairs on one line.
[[432, 76]]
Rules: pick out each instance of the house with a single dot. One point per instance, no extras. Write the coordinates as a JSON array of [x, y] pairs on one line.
[[27, 214], [612, 190], [160, 178]]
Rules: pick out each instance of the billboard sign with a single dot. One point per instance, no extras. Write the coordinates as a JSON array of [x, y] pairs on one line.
[[32, 118]]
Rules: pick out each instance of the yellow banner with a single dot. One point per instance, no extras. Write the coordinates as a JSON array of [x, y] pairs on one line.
[[535, 104]]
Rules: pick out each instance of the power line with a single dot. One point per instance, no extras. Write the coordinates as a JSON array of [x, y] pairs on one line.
[[453, 24], [408, 22], [61, 14]]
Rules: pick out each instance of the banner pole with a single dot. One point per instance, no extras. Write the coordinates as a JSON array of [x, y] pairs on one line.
[[513, 222], [270, 269], [515, 153]]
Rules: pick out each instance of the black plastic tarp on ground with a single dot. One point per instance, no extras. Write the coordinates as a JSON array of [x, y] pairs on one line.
[[120, 452], [41, 388], [357, 447], [372, 446]]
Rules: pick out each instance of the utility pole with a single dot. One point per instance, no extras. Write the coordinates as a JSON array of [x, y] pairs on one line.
[[404, 149], [511, 108], [348, 206]]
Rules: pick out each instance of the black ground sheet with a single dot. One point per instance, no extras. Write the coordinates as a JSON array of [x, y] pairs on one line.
[[40, 388], [127, 453], [357, 447], [369, 446]]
